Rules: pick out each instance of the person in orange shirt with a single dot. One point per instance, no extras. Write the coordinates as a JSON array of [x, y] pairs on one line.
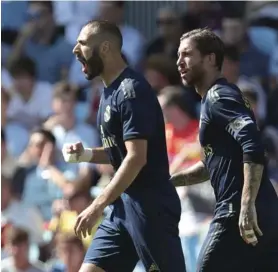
[[181, 126]]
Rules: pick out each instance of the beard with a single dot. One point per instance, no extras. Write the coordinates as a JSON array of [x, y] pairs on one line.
[[194, 75], [92, 67]]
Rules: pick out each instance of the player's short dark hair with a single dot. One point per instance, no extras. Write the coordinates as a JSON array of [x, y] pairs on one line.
[[207, 42], [47, 4], [108, 29], [23, 66], [64, 89], [46, 133], [177, 96], [231, 52], [16, 235]]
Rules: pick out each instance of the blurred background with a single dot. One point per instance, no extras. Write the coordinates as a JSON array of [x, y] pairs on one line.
[[46, 102]]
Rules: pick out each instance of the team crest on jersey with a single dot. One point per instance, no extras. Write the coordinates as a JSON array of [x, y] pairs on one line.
[[107, 114]]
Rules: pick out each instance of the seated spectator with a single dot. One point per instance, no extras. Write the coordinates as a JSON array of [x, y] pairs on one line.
[[231, 70], [17, 214], [70, 253], [16, 135], [41, 40], [161, 71], [182, 128], [18, 243], [33, 183], [30, 102], [170, 30], [253, 63], [65, 214], [67, 129]]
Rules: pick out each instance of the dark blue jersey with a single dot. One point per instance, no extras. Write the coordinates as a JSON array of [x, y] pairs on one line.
[[230, 137], [129, 109]]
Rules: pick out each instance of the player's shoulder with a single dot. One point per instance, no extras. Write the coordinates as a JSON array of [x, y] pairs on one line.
[[224, 91], [132, 86]]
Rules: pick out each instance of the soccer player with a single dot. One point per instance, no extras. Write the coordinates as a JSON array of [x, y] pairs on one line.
[[145, 208], [243, 234]]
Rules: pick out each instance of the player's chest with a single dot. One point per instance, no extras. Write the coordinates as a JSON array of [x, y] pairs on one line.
[[108, 118]]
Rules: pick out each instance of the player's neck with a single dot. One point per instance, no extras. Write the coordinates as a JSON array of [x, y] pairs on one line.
[[113, 70], [202, 87]]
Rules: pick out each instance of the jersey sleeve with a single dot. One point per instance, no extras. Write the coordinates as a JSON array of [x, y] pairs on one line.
[[136, 113], [233, 114]]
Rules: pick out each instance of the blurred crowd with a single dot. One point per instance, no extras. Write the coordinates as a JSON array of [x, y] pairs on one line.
[[46, 102]]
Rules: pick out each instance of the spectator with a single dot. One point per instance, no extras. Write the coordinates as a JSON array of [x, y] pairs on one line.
[[253, 63], [231, 70], [18, 246], [41, 40], [16, 134], [17, 214], [181, 128], [170, 29], [30, 102], [64, 219], [70, 252], [32, 182], [201, 14], [67, 129], [161, 71]]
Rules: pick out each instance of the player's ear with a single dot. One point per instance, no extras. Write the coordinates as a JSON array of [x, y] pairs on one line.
[[212, 59], [104, 48]]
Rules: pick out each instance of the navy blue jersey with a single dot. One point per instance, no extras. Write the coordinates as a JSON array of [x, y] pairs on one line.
[[129, 109], [229, 136]]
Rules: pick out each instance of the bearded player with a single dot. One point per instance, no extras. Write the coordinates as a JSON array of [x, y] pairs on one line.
[[243, 234], [145, 208]]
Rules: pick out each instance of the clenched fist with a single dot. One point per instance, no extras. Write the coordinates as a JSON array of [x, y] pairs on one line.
[[76, 153]]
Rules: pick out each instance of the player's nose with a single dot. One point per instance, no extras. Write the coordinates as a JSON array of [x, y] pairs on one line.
[[75, 49]]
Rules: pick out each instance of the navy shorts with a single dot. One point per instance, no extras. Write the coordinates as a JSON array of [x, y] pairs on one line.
[[119, 244], [225, 250]]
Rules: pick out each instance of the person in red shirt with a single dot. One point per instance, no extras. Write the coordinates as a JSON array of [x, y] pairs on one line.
[[181, 126]]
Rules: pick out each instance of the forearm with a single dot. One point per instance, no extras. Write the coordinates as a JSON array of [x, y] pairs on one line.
[[82, 181], [122, 179], [252, 179], [192, 175], [95, 155]]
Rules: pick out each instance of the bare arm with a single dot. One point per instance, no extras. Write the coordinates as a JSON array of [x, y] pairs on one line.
[[190, 176], [99, 156], [252, 180], [82, 181], [131, 166]]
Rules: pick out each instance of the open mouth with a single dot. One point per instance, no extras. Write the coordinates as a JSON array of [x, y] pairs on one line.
[[84, 64]]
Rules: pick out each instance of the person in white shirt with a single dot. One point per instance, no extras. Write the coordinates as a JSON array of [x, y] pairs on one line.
[[18, 245], [14, 212], [30, 102], [67, 128]]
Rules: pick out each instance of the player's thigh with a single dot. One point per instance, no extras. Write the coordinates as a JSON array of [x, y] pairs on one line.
[[159, 249], [224, 249], [111, 250]]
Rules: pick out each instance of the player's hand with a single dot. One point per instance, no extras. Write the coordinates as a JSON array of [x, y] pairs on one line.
[[72, 152], [87, 220], [248, 224]]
